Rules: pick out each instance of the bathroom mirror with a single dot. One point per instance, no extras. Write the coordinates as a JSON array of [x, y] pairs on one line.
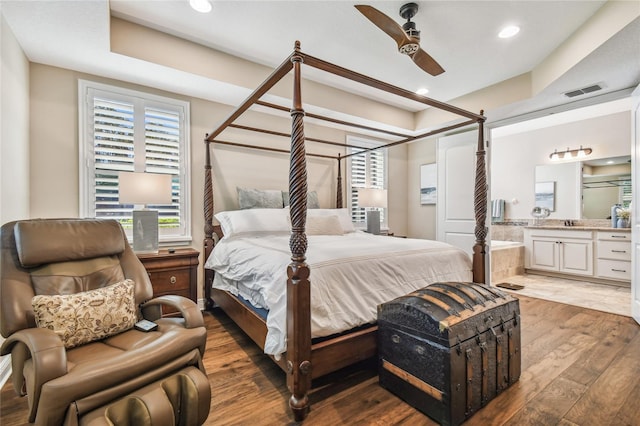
[[588, 189]]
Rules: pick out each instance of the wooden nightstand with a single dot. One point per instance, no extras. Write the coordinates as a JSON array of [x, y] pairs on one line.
[[173, 273]]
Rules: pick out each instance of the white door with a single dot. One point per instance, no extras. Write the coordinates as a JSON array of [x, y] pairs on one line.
[[635, 225], [456, 181]]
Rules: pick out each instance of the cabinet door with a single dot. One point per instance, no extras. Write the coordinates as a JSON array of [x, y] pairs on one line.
[[576, 257], [544, 255]]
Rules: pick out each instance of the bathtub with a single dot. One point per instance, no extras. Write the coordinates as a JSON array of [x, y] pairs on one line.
[[507, 260]]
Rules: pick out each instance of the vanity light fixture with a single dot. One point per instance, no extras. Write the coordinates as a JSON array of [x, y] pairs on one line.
[[570, 153]]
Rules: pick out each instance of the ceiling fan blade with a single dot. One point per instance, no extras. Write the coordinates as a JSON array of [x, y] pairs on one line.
[[426, 62], [386, 24]]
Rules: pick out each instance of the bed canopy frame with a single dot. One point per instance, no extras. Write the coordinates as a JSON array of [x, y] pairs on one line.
[[305, 360]]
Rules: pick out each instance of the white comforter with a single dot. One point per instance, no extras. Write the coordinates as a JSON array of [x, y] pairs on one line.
[[351, 275]]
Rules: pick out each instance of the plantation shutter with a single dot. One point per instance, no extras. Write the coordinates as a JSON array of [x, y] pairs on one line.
[[162, 155], [358, 180], [128, 131], [368, 170], [113, 129]]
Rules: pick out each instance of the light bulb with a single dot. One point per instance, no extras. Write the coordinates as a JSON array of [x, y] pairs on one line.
[[202, 6]]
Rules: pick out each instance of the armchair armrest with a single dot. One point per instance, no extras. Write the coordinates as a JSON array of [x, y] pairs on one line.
[[187, 307], [48, 354]]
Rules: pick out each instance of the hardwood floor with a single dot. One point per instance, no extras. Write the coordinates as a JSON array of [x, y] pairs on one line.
[[579, 367]]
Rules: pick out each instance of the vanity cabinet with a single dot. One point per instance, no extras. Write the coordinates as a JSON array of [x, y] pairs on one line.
[[613, 255], [567, 252], [598, 253]]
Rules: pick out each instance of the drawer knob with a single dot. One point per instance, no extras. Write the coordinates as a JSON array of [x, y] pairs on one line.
[[173, 279]]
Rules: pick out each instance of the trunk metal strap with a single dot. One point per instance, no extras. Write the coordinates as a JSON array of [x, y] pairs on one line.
[[484, 397], [469, 381]]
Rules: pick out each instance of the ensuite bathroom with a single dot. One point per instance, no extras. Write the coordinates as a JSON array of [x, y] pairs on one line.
[[561, 197]]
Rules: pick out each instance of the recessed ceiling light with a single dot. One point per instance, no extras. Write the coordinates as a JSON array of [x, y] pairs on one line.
[[611, 162], [509, 31], [202, 6], [422, 91]]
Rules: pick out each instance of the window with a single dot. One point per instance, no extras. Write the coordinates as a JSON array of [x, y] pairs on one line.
[[125, 130], [366, 170]]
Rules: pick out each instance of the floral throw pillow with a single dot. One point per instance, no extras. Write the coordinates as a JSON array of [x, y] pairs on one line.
[[89, 315]]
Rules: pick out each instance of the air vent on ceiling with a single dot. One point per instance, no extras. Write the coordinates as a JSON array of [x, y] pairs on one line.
[[583, 91]]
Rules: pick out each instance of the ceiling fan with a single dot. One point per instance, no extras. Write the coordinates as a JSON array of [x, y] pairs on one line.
[[406, 36]]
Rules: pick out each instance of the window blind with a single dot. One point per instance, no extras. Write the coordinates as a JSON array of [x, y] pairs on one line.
[[368, 170], [133, 132]]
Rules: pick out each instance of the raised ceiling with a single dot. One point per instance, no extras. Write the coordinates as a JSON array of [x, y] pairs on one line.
[[460, 35]]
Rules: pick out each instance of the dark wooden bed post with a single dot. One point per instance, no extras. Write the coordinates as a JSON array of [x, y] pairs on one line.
[[208, 224], [339, 188], [298, 286], [480, 208]]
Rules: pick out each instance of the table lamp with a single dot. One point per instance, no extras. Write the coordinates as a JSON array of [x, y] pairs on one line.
[[144, 189], [374, 198]]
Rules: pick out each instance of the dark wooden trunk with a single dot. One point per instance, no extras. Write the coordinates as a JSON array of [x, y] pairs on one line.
[[449, 348]]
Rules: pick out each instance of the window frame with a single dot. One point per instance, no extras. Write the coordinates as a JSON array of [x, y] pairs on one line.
[[359, 141], [86, 92]]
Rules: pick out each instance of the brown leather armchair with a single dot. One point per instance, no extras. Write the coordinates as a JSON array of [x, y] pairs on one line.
[[62, 383]]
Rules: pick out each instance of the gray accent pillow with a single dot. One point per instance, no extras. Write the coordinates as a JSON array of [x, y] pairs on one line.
[[312, 199], [259, 198]]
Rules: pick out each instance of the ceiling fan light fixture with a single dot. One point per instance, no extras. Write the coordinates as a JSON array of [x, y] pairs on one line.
[[409, 48], [202, 6], [509, 31], [406, 36]]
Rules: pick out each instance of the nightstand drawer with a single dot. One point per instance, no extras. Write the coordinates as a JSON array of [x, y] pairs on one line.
[[170, 282], [172, 273]]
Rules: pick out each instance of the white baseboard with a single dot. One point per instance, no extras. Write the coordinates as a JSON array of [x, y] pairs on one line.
[[5, 369]]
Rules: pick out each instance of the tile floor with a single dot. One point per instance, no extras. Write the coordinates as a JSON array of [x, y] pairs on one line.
[[602, 297]]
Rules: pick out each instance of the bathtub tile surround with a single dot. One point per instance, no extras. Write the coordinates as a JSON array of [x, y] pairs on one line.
[[508, 230], [507, 260]]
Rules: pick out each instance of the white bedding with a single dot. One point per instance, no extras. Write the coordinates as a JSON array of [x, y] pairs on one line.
[[351, 275]]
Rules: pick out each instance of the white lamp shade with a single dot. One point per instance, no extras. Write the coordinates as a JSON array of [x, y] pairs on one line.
[[372, 197], [144, 188]]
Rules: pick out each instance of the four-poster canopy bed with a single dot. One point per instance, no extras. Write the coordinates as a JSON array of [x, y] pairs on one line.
[[306, 359]]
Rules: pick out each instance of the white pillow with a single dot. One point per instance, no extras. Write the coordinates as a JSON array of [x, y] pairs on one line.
[[343, 216], [236, 222]]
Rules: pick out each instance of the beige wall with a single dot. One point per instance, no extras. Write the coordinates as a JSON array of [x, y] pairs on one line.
[[14, 128], [421, 220], [14, 140], [156, 47]]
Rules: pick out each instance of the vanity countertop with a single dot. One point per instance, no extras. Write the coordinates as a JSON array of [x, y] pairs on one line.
[[580, 228]]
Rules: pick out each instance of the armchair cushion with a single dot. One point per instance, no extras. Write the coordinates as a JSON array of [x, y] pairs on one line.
[[87, 316]]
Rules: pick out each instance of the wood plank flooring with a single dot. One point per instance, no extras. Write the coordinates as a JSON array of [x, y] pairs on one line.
[[579, 367]]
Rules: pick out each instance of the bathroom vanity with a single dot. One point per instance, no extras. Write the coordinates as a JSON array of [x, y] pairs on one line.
[[603, 254]]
